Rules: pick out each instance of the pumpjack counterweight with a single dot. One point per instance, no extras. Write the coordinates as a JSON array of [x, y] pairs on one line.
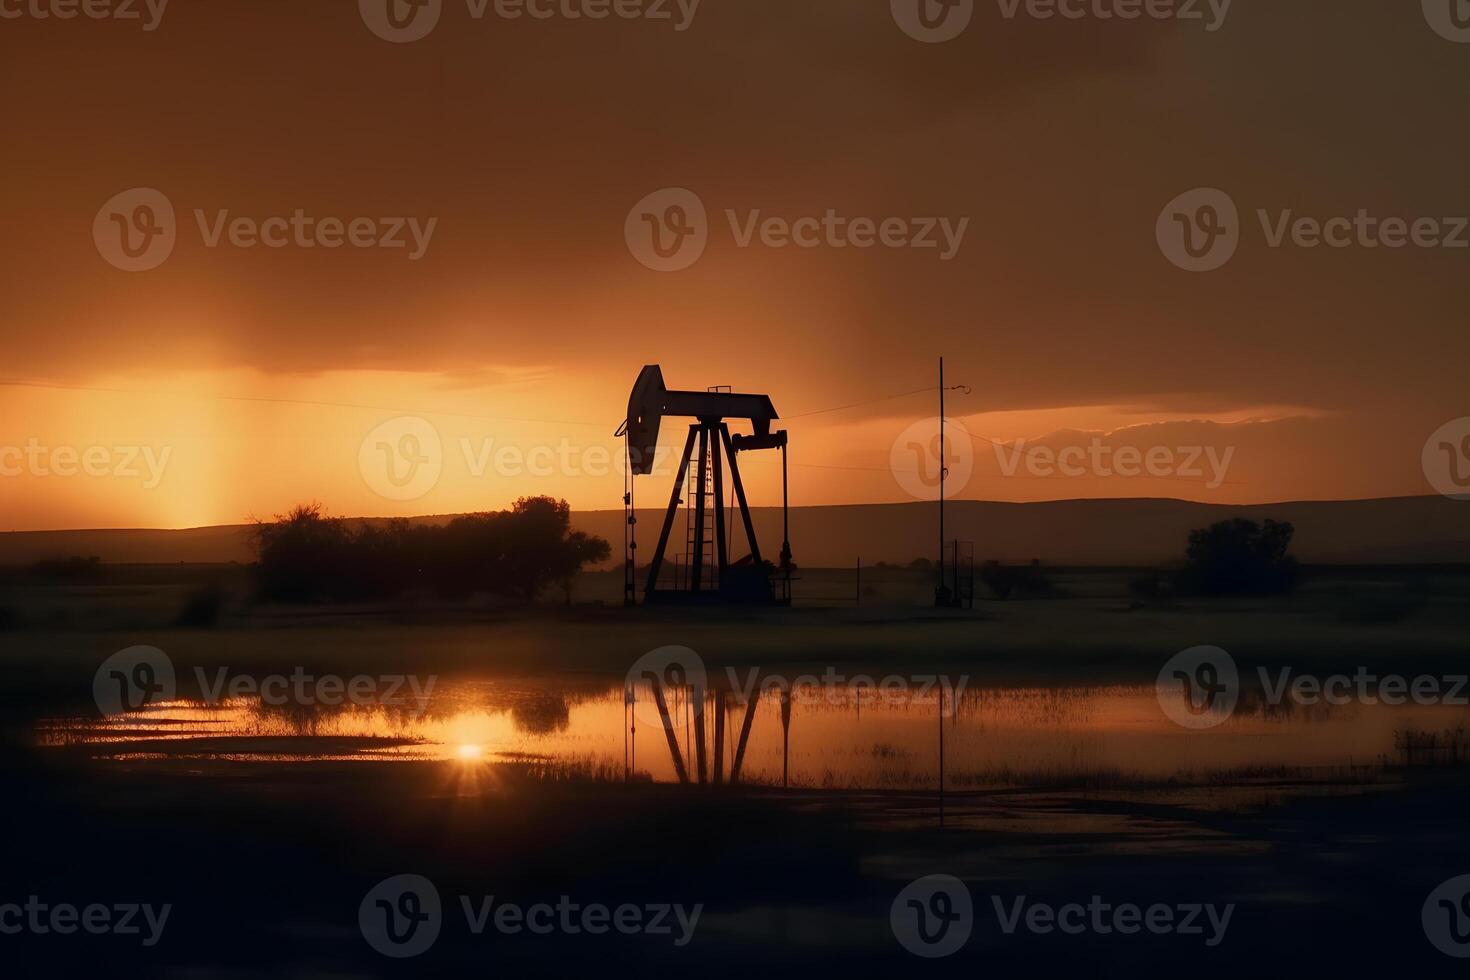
[[712, 449]]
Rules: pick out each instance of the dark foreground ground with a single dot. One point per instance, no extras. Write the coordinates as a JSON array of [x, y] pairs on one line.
[[265, 864], [265, 867]]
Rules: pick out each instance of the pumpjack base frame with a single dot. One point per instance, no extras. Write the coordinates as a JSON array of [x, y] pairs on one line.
[[743, 582], [684, 597]]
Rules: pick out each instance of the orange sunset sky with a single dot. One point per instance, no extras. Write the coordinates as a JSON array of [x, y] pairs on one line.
[[260, 371]]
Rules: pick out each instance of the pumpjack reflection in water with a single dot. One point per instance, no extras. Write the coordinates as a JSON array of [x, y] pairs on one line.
[[688, 705], [691, 704]]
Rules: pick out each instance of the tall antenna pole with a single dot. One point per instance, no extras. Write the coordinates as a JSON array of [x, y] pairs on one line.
[[939, 596]]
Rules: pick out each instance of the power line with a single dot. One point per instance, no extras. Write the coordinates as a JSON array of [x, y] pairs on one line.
[[296, 401], [401, 411], [1002, 476], [870, 401]]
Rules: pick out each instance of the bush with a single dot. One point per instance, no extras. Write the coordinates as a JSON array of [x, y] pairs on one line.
[[1151, 585], [1240, 557], [73, 569], [202, 609], [1006, 580], [305, 556]]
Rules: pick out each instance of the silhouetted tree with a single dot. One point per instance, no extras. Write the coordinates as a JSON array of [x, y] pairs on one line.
[[1240, 557], [301, 554]]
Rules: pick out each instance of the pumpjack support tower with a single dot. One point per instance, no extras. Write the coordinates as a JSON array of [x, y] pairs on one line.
[[706, 572]]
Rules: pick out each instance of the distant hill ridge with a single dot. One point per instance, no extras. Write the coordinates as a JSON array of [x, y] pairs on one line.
[[1398, 530]]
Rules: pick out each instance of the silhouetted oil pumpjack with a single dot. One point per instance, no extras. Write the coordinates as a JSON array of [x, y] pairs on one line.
[[748, 579]]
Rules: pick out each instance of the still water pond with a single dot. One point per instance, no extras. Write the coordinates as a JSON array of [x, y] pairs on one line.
[[827, 737]]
